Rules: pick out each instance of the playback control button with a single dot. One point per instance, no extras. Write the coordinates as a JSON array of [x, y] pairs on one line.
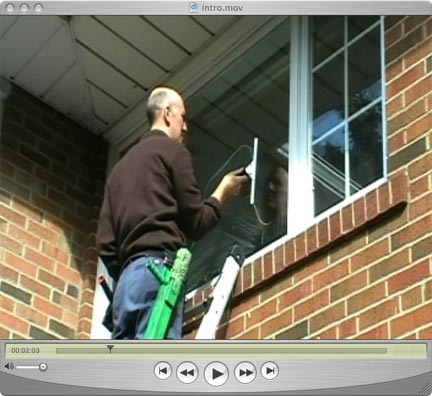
[[245, 372], [269, 370], [216, 374], [163, 370], [187, 372]]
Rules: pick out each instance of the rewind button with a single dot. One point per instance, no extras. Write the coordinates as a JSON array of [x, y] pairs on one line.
[[187, 372], [245, 372]]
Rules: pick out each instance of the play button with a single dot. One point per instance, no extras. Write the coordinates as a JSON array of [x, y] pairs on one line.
[[216, 374]]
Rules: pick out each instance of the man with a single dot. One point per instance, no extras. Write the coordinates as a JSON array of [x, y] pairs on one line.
[[151, 206]]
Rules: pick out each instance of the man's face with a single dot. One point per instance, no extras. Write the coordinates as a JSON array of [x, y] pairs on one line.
[[278, 190], [177, 120]]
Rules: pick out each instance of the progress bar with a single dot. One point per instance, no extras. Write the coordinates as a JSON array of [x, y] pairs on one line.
[[249, 351], [139, 349]]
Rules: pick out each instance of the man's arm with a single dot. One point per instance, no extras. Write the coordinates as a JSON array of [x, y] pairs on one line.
[[105, 238], [196, 216]]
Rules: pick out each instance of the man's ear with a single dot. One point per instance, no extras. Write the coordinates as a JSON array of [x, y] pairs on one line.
[[167, 115]]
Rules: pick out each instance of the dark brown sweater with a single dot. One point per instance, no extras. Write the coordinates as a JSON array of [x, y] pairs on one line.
[[152, 202]]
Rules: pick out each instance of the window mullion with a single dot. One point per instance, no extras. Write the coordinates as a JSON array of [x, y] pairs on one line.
[[346, 110], [300, 191]]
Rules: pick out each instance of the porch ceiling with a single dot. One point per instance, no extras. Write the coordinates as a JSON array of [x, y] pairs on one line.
[[95, 69]]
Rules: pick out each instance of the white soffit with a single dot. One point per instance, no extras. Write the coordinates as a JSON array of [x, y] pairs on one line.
[[95, 69]]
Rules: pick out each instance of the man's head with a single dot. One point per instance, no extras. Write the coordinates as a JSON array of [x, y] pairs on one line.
[[278, 190], [166, 111]]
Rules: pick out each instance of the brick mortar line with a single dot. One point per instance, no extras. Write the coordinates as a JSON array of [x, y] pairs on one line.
[[397, 23], [407, 164], [357, 292], [425, 22], [33, 175], [407, 312], [51, 285], [403, 55], [249, 311], [14, 300], [53, 131], [43, 239], [424, 327], [412, 104], [256, 326], [53, 303], [404, 109], [388, 276], [404, 70], [424, 194], [278, 313], [374, 325]]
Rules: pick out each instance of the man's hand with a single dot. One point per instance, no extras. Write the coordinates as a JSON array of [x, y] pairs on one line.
[[233, 184]]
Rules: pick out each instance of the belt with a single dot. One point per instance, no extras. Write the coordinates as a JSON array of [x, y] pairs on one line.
[[165, 255]]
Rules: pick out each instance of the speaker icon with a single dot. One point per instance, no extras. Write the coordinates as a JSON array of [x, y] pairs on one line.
[[9, 366]]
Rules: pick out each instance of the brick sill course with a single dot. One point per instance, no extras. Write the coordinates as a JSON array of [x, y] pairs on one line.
[[382, 202]]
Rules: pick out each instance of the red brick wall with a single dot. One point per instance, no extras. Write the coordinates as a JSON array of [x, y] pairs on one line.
[[366, 271], [52, 178]]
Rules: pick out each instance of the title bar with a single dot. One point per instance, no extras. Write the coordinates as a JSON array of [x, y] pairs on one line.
[[208, 7]]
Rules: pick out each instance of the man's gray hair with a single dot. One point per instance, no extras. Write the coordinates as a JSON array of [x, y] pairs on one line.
[[156, 102]]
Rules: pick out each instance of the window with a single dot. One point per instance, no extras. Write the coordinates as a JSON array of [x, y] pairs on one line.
[[347, 141], [249, 99], [312, 91]]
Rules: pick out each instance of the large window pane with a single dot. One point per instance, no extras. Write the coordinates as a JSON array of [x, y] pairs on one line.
[[347, 112], [357, 24], [328, 96], [250, 98], [328, 36], [365, 140], [364, 77], [329, 170]]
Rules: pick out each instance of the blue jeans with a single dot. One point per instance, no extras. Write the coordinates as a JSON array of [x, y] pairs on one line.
[[133, 301]]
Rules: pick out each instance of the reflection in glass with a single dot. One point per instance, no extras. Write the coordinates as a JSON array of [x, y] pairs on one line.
[[364, 82], [361, 85], [357, 24], [249, 98], [329, 170], [365, 151], [328, 96], [328, 36]]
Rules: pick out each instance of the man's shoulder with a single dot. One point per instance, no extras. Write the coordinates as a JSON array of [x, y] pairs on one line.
[[155, 139]]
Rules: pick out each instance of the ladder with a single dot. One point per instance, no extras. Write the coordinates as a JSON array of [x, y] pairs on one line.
[[220, 295]]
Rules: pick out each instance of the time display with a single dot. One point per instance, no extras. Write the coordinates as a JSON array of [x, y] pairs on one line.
[[25, 350]]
